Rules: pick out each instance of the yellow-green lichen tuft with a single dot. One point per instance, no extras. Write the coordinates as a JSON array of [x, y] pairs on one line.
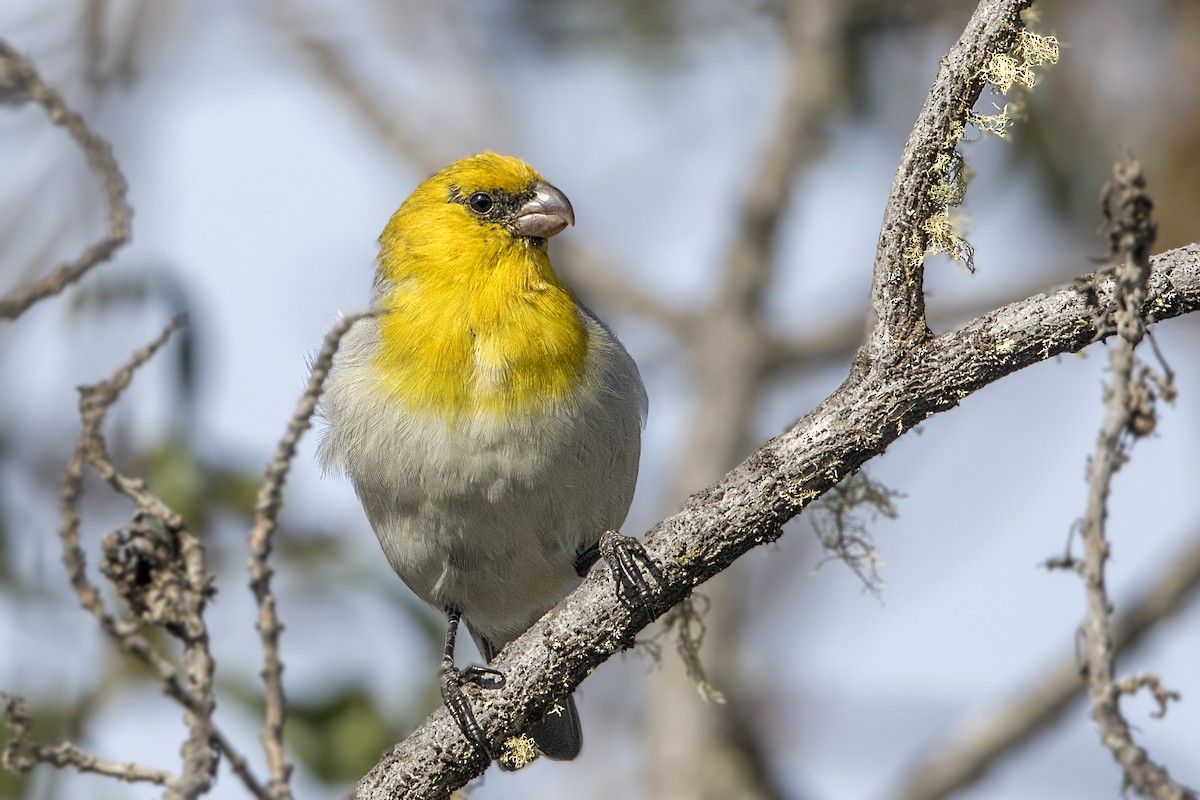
[[940, 232], [519, 752], [943, 236], [1018, 66]]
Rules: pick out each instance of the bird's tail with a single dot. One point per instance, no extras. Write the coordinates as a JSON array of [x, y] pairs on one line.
[[559, 735]]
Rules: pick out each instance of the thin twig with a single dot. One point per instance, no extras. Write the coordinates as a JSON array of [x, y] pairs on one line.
[[179, 611], [23, 80], [266, 514], [94, 404], [1131, 234], [22, 753]]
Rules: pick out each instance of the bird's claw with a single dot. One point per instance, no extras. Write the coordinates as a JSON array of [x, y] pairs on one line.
[[483, 677], [633, 571], [452, 680]]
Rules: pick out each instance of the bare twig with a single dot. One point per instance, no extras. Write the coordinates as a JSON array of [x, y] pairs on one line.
[[1131, 233], [21, 79], [965, 755], [22, 753], [266, 513], [158, 567], [94, 404]]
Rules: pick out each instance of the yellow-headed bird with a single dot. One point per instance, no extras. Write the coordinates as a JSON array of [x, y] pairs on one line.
[[490, 423]]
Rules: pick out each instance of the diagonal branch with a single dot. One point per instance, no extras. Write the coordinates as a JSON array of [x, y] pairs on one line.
[[19, 78], [877, 403]]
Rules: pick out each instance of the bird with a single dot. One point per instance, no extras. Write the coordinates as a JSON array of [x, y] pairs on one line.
[[489, 422]]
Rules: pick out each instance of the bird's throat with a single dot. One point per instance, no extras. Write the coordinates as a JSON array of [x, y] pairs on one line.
[[500, 341]]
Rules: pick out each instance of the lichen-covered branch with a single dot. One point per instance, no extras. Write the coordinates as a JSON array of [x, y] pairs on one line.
[[749, 506], [918, 190], [19, 80]]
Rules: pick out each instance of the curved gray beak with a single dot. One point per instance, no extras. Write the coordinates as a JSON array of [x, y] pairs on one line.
[[545, 214]]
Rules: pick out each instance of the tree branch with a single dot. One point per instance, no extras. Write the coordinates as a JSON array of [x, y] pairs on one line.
[[877, 403], [157, 566], [19, 79], [897, 292]]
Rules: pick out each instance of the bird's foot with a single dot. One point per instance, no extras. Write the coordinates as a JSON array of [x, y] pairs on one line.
[[452, 681], [634, 572]]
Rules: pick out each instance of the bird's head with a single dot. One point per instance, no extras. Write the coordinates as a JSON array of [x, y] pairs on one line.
[[477, 319], [471, 215]]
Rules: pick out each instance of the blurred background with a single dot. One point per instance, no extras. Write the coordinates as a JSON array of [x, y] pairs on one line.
[[728, 163]]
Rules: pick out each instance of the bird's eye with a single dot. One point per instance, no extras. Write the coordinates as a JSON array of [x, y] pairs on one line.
[[480, 202]]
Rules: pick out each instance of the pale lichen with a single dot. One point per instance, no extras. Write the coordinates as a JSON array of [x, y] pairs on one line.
[[519, 752], [1013, 71]]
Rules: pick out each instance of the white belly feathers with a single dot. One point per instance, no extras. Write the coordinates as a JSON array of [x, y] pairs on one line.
[[488, 514]]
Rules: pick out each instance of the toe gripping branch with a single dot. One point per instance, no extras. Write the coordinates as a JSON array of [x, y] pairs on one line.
[[452, 680], [633, 571]]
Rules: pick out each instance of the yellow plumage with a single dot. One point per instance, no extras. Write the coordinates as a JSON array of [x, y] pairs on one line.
[[476, 321]]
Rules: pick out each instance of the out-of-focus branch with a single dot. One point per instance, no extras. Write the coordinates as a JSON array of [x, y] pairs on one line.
[[600, 282], [1131, 233], [332, 65], [22, 753], [266, 514], [157, 567], [586, 269], [700, 750], [111, 57], [966, 755], [19, 80]]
